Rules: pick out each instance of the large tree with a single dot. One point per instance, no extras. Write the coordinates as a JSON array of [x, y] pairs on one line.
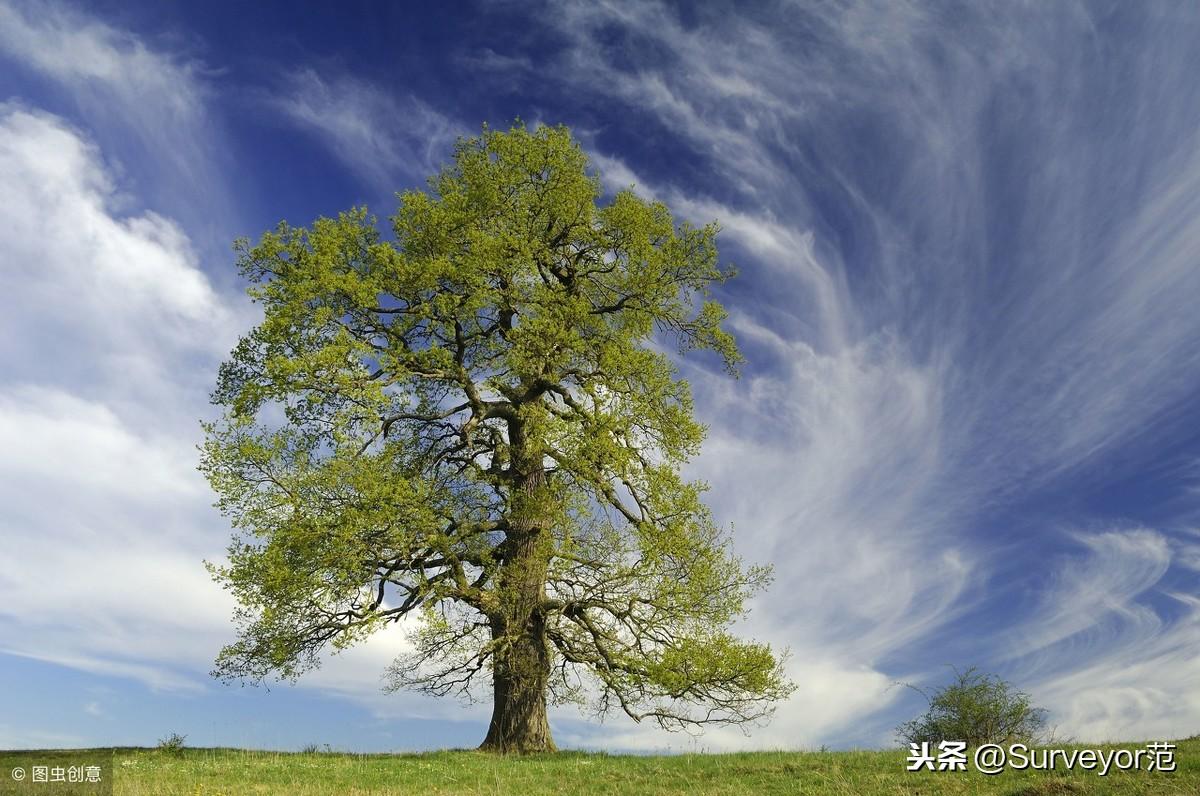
[[473, 425]]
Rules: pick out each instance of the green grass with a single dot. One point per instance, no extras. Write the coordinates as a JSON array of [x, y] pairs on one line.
[[231, 772]]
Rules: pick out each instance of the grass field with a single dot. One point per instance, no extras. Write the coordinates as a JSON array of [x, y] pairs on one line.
[[230, 772]]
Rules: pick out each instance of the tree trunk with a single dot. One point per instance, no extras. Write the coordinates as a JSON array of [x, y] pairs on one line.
[[521, 660], [519, 677]]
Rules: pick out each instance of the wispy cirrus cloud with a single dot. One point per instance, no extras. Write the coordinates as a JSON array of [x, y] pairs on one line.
[[387, 139], [84, 52], [149, 106], [1095, 597], [1110, 650], [830, 462], [975, 297]]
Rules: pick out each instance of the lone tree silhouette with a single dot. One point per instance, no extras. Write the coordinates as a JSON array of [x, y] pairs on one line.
[[470, 426]]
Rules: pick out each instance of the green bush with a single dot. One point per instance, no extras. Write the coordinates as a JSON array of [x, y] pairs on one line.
[[172, 744], [977, 708]]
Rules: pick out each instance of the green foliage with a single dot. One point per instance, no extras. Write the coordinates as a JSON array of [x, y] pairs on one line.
[[173, 744], [473, 426], [977, 708]]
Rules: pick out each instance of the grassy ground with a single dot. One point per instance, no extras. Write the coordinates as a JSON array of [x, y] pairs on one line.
[[227, 772]]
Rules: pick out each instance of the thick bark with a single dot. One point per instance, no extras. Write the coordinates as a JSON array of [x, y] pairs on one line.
[[521, 660], [519, 678]]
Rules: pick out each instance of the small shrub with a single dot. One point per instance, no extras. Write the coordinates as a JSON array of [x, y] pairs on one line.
[[173, 744], [977, 708], [310, 749]]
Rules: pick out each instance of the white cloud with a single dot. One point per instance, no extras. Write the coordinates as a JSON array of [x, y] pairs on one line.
[[1105, 664], [831, 460], [72, 47], [112, 336], [787, 251], [897, 401], [1097, 590], [90, 296], [1187, 549], [833, 471], [710, 90], [108, 326], [833, 696], [149, 104], [388, 140], [47, 433], [144, 257]]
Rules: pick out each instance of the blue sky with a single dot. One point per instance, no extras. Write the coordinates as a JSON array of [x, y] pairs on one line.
[[969, 245]]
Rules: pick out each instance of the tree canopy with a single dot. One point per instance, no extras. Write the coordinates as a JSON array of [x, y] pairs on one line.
[[473, 426]]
